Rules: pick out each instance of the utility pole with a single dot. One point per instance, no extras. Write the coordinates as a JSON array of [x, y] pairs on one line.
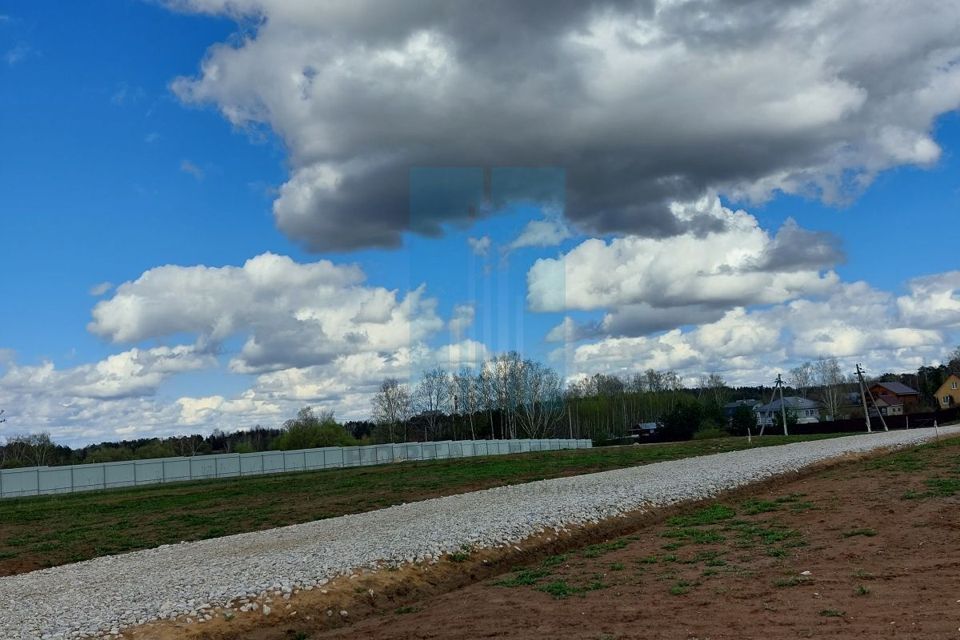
[[864, 391], [863, 397], [783, 409]]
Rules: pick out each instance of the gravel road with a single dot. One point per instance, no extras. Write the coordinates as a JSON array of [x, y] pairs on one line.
[[106, 594]]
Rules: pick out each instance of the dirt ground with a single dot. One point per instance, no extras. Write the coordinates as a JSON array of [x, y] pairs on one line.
[[864, 549]]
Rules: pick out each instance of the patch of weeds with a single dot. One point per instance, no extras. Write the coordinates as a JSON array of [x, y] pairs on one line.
[[716, 562], [777, 552], [681, 588], [753, 507], [703, 556], [559, 589], [863, 575], [901, 462], [596, 550], [943, 487], [862, 590], [697, 536], [597, 583], [616, 566], [554, 561], [670, 558], [648, 560], [749, 534], [710, 572], [912, 495], [403, 610], [867, 533], [792, 581], [524, 577], [710, 515], [793, 497], [460, 556], [798, 507], [672, 546], [832, 613]]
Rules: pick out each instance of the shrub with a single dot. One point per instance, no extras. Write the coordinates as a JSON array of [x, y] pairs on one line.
[[743, 421], [681, 423], [308, 431]]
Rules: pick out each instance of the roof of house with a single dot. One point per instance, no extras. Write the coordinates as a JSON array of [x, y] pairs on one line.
[[946, 381], [790, 402], [888, 400], [897, 388], [741, 403]]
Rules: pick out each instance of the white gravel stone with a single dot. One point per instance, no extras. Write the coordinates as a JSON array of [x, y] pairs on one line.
[[97, 596]]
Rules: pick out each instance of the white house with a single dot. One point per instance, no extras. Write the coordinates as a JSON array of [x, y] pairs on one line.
[[806, 411]]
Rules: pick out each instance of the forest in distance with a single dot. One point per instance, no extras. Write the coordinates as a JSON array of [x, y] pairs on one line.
[[507, 397]]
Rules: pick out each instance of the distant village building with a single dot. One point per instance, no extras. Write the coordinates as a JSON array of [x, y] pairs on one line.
[[643, 430], [895, 394], [731, 407], [948, 395], [806, 411], [888, 406]]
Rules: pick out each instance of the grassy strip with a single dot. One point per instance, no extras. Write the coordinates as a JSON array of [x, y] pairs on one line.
[[51, 530]]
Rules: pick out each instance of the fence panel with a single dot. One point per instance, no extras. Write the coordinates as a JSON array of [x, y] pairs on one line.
[[87, 477]]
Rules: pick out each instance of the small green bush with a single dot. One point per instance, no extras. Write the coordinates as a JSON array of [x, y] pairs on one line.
[[708, 432]]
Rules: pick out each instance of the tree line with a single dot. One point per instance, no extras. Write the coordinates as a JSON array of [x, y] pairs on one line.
[[506, 397]]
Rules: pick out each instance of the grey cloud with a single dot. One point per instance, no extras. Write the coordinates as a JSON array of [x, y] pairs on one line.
[[639, 103], [798, 249]]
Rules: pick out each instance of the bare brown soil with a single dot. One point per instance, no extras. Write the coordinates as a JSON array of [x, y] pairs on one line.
[[880, 539]]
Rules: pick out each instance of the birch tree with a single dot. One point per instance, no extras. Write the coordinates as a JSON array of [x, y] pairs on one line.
[[431, 399], [467, 397], [802, 378], [539, 399], [392, 406], [830, 379]]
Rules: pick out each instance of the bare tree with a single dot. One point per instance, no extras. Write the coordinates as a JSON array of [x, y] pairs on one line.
[[467, 396], [187, 446], [488, 395], [830, 379], [953, 362], [802, 378], [539, 399], [716, 388], [391, 406], [31, 450], [431, 399], [503, 376]]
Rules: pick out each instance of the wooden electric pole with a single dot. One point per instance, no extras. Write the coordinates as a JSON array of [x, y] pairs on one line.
[[864, 391], [783, 409]]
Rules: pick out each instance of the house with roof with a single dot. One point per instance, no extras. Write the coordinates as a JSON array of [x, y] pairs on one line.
[[948, 395], [731, 407], [887, 405], [896, 394], [805, 410]]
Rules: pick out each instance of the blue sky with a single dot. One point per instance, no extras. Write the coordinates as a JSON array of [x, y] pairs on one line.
[[142, 134]]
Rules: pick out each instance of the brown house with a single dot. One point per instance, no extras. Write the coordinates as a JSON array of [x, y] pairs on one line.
[[948, 395], [903, 394]]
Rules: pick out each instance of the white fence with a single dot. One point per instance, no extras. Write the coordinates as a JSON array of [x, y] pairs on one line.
[[32, 481]]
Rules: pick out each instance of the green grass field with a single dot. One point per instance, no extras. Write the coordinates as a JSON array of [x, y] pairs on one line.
[[46, 531]]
